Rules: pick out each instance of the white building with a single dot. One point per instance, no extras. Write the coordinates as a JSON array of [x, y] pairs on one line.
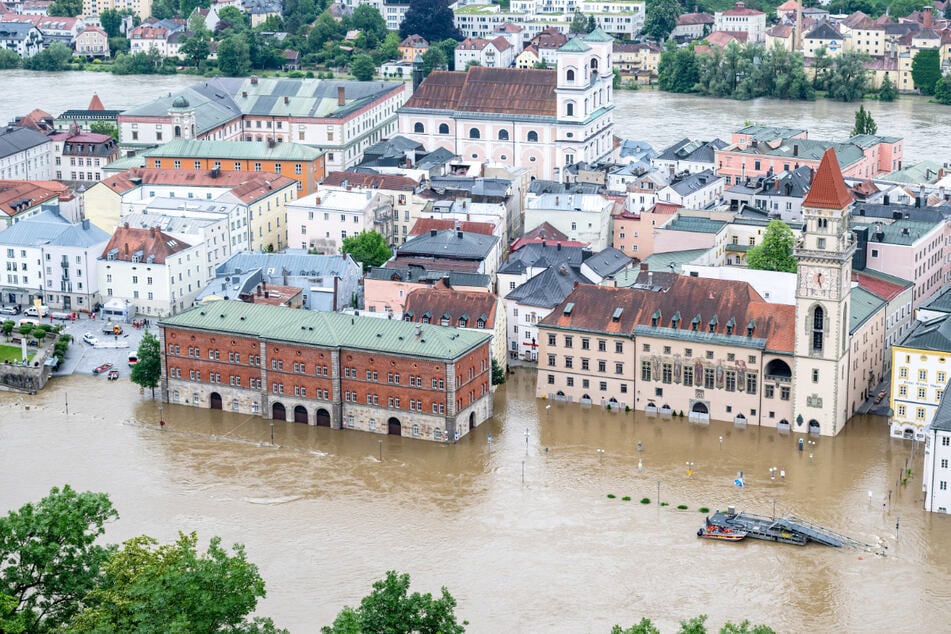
[[694, 191], [581, 217], [25, 154], [743, 20], [22, 38], [323, 220], [48, 251], [156, 272], [211, 229], [494, 53], [936, 472]]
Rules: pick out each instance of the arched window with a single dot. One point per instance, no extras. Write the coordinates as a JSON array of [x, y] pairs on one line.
[[474, 133], [418, 128], [503, 135], [532, 136], [570, 109], [818, 319], [443, 128], [570, 75], [594, 63], [178, 131]]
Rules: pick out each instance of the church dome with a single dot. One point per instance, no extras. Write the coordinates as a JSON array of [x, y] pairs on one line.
[[180, 102]]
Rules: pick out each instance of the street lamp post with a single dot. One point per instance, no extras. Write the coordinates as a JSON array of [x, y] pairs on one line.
[[381, 450], [272, 434], [601, 455], [526, 441]]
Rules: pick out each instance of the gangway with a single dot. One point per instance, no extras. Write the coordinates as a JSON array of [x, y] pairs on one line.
[[788, 529]]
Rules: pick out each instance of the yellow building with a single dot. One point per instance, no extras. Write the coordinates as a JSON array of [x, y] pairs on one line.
[[920, 367], [142, 8]]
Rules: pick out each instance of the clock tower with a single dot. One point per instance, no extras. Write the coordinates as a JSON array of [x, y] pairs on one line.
[[824, 279]]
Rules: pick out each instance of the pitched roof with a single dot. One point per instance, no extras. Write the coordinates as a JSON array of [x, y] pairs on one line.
[[420, 275], [459, 245], [128, 243], [446, 303], [888, 287], [549, 288], [16, 139], [494, 90], [17, 196], [824, 32], [248, 183], [370, 181], [719, 302], [187, 148], [693, 19], [934, 334], [276, 323], [428, 225], [49, 228], [828, 189], [740, 9]]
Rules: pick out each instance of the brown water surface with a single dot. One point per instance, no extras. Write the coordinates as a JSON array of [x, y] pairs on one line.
[[323, 517]]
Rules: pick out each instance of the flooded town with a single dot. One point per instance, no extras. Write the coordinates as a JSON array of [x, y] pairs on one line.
[[566, 318]]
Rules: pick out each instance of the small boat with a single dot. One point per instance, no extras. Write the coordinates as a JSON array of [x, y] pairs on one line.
[[103, 368], [113, 375], [723, 534]]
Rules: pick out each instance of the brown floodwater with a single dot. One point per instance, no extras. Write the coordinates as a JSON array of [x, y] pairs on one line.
[[323, 517]]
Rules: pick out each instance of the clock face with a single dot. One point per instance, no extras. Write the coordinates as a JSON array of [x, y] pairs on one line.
[[818, 280]]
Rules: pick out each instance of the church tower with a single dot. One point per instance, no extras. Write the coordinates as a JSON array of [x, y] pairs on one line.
[[823, 286]]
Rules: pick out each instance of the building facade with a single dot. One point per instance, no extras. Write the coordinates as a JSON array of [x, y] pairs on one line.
[[328, 369]]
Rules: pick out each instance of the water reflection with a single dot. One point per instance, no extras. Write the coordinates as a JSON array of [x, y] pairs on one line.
[[324, 517]]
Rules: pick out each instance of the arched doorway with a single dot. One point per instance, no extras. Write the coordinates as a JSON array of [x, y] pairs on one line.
[[739, 419], [783, 425], [814, 426], [699, 412], [215, 400], [300, 414], [323, 418], [393, 427], [472, 421], [778, 369], [700, 408], [278, 412]]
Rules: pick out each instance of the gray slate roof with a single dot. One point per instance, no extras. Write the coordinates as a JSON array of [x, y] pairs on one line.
[[942, 415], [696, 151], [934, 334], [548, 289], [538, 255], [608, 262], [423, 276], [50, 228], [293, 264], [939, 302], [694, 182], [450, 244], [15, 139]]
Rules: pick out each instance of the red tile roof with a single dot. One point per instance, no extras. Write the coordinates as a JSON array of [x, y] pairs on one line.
[[545, 231], [883, 288], [493, 90], [15, 194], [138, 176], [693, 19], [741, 9], [594, 307], [828, 190], [440, 301], [144, 243], [370, 181], [425, 225]]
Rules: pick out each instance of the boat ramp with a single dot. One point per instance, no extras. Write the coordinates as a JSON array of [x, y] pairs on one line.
[[786, 530]]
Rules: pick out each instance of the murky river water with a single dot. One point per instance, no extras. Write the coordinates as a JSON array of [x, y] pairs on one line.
[[323, 516]]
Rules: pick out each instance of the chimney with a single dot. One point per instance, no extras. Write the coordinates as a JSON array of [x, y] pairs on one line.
[[795, 149], [341, 99], [644, 266], [254, 80], [244, 93], [650, 278], [419, 330], [459, 234], [287, 99], [271, 142], [558, 247], [259, 290], [927, 17], [152, 231], [126, 225], [266, 294], [557, 200]]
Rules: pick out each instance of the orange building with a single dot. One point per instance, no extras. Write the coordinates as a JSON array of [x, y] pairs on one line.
[[304, 164]]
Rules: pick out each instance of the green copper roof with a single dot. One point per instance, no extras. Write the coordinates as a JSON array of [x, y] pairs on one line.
[[597, 35], [332, 330], [575, 45], [235, 150], [863, 306]]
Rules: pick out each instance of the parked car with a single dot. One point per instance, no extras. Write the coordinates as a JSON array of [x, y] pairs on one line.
[[133, 359], [10, 310], [111, 329], [43, 311], [90, 339], [33, 321]]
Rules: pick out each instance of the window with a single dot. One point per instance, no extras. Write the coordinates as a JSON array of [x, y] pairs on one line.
[[815, 376], [602, 345], [603, 386], [570, 109], [443, 128], [551, 340], [551, 360], [570, 75], [818, 318], [688, 375], [944, 463], [922, 393], [920, 413], [922, 375], [945, 441], [503, 135], [474, 133], [418, 128], [585, 343], [532, 136], [731, 380], [551, 379], [619, 347], [667, 373], [569, 362], [602, 366], [751, 384], [784, 393], [568, 341], [708, 378], [619, 368], [585, 364]]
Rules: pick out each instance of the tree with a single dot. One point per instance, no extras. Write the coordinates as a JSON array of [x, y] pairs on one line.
[[7, 327], [579, 24], [49, 558], [592, 23], [942, 90], [368, 248], [9, 59], [864, 123], [368, 20], [104, 127], [947, 11], [111, 21], [233, 16], [148, 370], [678, 69], [434, 59], [234, 56], [66, 8], [390, 608], [888, 92], [390, 48], [644, 627], [119, 45], [926, 70], [822, 69], [362, 67], [660, 19], [54, 58], [195, 49], [187, 7], [775, 252], [849, 81], [432, 19], [196, 24], [147, 587], [498, 373]]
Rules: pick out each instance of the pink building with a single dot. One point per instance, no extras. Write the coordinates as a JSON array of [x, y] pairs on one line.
[[385, 289], [912, 250], [634, 232]]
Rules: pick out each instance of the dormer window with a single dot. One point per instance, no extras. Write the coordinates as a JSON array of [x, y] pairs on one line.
[[675, 320], [617, 314], [750, 327], [729, 326], [695, 324]]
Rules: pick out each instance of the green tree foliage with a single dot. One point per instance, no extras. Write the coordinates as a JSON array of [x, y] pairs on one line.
[[326, 29], [644, 627], [390, 48], [434, 59], [66, 8], [195, 49], [391, 609], [432, 19], [187, 7], [147, 587], [947, 11], [236, 21], [298, 14], [775, 252], [822, 69], [8, 59], [370, 23], [234, 56], [368, 247], [104, 127], [49, 558], [7, 327], [864, 123], [541, 65], [119, 45], [849, 80], [55, 57], [888, 92], [678, 69], [926, 70], [142, 63], [498, 373], [903, 8], [660, 19], [110, 20], [592, 23], [874, 8], [942, 90], [696, 625], [448, 48], [579, 24], [362, 67], [748, 72], [148, 371]]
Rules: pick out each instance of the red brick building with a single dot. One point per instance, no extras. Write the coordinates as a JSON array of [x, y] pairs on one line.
[[382, 376]]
